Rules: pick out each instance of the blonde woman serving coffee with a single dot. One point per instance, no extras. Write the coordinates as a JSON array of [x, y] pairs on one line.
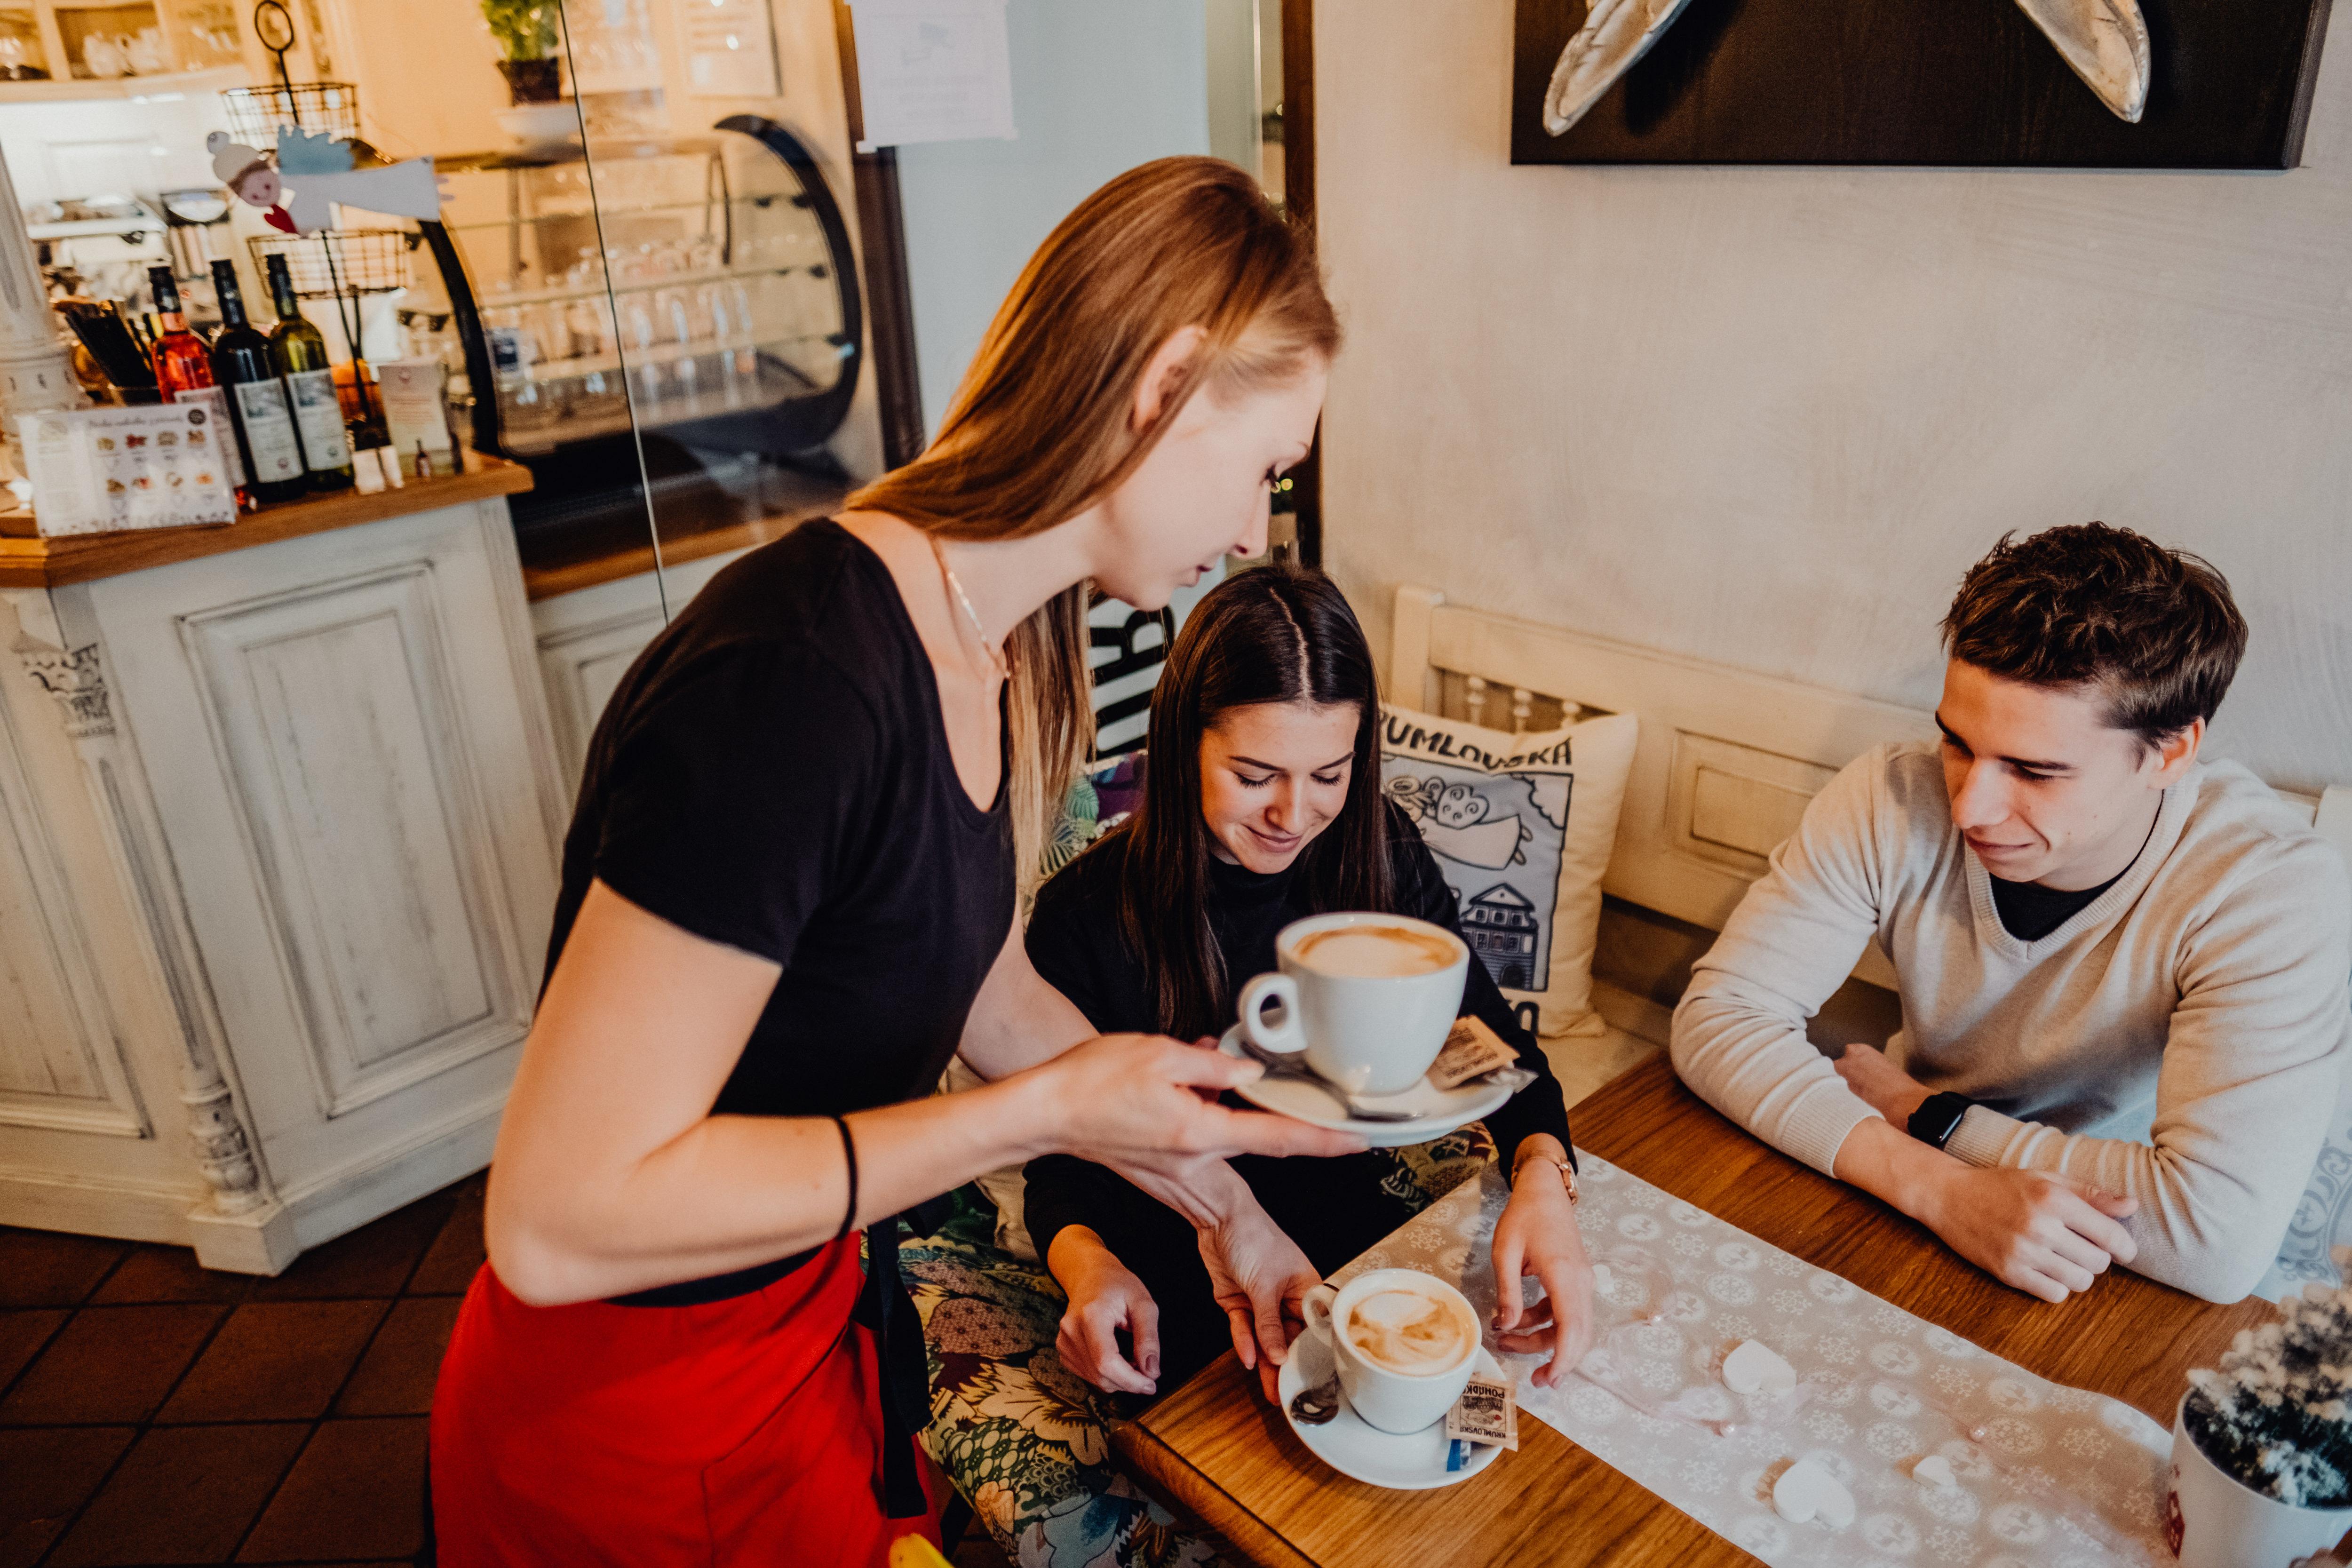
[[786, 898], [1261, 808]]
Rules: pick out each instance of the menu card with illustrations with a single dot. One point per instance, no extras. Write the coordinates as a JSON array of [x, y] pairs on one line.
[[102, 471]]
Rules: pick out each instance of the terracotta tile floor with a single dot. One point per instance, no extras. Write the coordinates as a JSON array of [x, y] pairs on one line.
[[152, 1412]]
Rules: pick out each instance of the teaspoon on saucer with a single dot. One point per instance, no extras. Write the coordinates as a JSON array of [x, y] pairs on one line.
[[1282, 1065], [1314, 1406]]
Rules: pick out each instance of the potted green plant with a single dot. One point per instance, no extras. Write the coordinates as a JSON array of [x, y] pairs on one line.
[[526, 31], [2262, 1446]]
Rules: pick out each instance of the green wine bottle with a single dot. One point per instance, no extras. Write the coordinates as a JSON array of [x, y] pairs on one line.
[[299, 350], [265, 424]]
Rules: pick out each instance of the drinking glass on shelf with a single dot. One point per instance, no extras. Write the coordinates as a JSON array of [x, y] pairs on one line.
[[637, 327], [712, 319], [673, 323], [549, 329], [589, 322]]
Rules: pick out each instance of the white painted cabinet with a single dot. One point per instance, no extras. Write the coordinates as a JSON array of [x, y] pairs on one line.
[[588, 638], [278, 840]]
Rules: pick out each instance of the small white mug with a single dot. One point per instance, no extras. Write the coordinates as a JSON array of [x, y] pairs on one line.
[[1368, 1034], [1392, 1401]]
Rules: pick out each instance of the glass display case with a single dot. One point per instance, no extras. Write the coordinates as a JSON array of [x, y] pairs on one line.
[[706, 286]]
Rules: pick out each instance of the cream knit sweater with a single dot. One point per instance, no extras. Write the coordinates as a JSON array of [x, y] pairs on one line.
[[2178, 1040]]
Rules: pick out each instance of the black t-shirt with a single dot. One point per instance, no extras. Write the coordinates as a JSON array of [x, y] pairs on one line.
[[2030, 911], [773, 774], [1333, 1208]]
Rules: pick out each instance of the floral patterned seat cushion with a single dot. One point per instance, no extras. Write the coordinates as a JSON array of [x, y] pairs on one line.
[[1021, 1436]]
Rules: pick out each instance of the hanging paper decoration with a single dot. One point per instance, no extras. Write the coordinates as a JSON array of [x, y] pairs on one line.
[[313, 174]]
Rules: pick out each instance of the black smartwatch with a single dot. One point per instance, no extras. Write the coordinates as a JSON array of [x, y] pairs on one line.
[[1939, 1116]]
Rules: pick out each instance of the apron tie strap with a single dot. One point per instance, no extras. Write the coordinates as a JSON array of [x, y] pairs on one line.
[[884, 1307]]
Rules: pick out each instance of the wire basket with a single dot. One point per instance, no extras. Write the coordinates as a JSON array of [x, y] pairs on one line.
[[366, 260], [254, 113]]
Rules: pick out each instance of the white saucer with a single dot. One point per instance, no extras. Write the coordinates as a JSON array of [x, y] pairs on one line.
[[1435, 1111], [1413, 1463]]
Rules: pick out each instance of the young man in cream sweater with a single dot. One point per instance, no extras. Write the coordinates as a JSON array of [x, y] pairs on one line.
[[2123, 970]]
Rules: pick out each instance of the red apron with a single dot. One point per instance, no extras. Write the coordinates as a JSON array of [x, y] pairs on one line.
[[746, 1431]]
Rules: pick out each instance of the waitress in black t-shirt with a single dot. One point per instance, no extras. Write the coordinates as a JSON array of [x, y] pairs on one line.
[[786, 899], [1262, 805]]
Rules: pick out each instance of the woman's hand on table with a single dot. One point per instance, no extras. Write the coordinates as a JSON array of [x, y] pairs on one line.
[[1261, 1278], [1105, 1297], [1537, 1234]]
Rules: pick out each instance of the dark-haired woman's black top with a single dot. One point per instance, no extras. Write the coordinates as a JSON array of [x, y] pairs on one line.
[[1333, 1208]]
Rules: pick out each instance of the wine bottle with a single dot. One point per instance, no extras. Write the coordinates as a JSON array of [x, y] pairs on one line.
[[299, 350], [184, 372], [181, 362], [265, 424]]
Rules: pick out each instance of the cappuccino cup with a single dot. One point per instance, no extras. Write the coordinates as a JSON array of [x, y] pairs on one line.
[[1368, 998], [1404, 1342]]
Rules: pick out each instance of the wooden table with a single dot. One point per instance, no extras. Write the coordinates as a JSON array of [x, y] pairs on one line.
[[1216, 1452]]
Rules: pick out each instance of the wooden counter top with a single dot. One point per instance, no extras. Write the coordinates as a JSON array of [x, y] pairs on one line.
[[81, 558]]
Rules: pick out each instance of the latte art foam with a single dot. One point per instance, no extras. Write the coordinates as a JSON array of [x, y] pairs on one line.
[[1374, 952], [1411, 1332]]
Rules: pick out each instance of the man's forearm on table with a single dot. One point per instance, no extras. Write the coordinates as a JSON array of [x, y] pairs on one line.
[[1755, 1065], [1892, 1166]]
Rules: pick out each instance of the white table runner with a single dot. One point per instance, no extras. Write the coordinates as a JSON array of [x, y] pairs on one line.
[[2047, 1477]]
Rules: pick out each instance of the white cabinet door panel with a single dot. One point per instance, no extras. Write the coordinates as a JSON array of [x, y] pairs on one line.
[[60, 1063], [359, 793], [345, 738]]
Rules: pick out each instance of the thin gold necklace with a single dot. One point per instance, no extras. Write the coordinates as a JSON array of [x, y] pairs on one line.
[[995, 658]]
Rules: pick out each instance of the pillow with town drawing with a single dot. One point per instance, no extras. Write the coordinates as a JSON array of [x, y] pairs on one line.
[[1521, 827]]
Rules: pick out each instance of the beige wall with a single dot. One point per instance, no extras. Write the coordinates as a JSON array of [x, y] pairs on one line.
[[1768, 416]]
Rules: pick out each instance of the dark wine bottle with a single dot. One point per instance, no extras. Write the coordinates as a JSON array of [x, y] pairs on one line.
[[299, 350], [265, 424]]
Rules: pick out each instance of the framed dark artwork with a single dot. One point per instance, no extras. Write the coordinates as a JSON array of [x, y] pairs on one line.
[[2215, 84]]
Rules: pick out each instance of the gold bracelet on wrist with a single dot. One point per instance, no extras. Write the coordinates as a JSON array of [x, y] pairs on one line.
[[1566, 1172]]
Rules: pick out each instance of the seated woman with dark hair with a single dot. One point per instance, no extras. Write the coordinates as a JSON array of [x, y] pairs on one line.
[[1262, 806]]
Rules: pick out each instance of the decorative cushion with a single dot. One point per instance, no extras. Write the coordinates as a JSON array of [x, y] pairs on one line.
[[1521, 826], [1098, 801]]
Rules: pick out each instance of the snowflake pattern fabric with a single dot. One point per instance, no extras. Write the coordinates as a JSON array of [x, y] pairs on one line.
[[2044, 1475]]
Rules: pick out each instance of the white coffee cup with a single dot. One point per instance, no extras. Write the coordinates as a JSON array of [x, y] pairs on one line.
[[1385, 1397], [1366, 1032]]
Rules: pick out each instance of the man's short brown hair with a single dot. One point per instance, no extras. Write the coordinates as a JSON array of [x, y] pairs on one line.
[[2087, 604]]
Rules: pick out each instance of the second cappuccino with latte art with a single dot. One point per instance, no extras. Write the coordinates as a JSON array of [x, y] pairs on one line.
[[1374, 951], [1413, 1332]]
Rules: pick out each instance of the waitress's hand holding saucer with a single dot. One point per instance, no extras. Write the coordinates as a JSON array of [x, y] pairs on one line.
[[1129, 1101]]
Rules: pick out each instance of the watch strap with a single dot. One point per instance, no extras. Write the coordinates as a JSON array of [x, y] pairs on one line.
[[1939, 1116]]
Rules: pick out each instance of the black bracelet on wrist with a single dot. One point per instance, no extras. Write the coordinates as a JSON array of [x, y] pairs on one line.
[[848, 1152], [1939, 1116]]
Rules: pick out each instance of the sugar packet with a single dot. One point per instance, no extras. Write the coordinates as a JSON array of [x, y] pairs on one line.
[[1470, 1050], [1487, 1412]]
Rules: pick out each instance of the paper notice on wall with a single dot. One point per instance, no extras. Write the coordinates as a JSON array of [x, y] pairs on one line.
[[932, 70], [730, 50]]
